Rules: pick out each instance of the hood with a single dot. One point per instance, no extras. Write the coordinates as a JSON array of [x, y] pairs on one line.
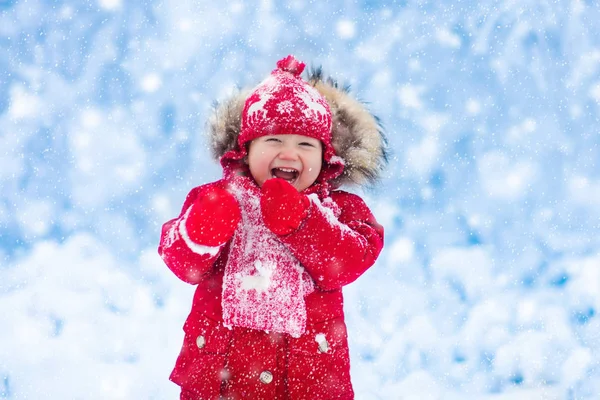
[[357, 135]]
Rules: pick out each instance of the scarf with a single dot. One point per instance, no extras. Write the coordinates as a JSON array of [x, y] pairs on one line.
[[264, 285]]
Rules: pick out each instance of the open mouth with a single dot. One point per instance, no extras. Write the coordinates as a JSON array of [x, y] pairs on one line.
[[289, 174]]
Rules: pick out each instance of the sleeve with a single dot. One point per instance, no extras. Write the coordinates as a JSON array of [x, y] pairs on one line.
[[336, 251], [189, 261]]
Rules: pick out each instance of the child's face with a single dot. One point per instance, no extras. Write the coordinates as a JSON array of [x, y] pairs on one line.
[[295, 158]]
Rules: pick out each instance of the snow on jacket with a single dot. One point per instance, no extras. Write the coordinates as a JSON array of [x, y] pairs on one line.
[[218, 362]]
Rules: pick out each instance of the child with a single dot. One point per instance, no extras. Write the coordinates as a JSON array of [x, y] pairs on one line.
[[272, 243]]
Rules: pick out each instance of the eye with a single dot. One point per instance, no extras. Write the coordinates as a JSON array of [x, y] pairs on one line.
[[272, 139], [307, 144]]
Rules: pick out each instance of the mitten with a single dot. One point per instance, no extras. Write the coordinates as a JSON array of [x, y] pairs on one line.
[[213, 217], [283, 207]]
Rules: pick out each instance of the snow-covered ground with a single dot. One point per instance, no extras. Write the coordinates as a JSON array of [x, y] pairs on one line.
[[489, 285]]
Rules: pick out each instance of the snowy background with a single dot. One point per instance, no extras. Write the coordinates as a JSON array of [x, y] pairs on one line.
[[489, 285]]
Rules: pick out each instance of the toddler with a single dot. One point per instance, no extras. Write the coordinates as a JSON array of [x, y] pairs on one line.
[[272, 243]]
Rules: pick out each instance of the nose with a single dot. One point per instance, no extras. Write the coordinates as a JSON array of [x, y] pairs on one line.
[[288, 153]]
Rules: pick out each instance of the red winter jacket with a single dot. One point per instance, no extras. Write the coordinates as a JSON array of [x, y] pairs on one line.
[[239, 363]]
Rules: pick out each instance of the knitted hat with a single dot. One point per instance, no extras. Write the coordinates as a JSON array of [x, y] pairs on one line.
[[286, 104]]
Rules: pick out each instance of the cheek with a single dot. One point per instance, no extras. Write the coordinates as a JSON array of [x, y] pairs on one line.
[[259, 167], [314, 169]]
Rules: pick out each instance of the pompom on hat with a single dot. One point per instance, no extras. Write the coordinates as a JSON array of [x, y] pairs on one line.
[[286, 104]]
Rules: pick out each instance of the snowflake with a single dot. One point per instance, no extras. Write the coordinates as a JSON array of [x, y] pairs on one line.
[[285, 107]]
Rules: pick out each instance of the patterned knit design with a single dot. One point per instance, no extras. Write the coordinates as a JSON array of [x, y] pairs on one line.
[[285, 104], [264, 285]]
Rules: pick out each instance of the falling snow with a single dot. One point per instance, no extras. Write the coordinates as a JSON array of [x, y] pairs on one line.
[[489, 284]]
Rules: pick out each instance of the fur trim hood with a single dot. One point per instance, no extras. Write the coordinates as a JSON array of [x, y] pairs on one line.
[[357, 135]]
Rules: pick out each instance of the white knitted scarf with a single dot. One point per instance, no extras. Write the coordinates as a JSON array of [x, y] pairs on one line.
[[264, 284]]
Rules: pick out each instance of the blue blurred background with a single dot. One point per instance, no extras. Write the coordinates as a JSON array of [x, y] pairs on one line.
[[489, 284]]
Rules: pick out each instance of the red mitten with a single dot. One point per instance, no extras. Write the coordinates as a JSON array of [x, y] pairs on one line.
[[283, 207], [213, 217]]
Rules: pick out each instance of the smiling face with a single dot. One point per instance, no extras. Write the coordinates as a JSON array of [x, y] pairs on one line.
[[295, 158]]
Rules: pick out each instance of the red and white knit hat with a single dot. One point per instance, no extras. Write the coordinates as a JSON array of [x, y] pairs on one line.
[[286, 104]]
